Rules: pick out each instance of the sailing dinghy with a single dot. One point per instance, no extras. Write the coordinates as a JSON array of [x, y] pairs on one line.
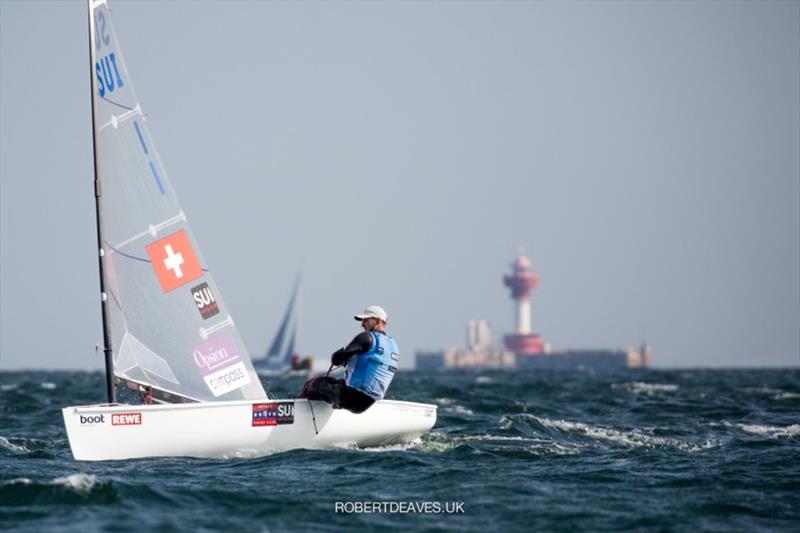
[[169, 339], [281, 359]]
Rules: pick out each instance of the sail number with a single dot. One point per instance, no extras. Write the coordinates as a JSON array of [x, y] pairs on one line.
[[108, 77], [101, 38], [106, 70]]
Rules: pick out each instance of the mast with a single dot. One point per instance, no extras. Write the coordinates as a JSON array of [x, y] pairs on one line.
[[108, 356]]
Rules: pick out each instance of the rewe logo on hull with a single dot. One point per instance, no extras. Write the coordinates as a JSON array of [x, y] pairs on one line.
[[126, 419]]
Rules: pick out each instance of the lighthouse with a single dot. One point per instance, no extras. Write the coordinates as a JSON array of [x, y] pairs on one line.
[[521, 281]]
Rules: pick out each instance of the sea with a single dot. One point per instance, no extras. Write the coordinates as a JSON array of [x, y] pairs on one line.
[[645, 450]]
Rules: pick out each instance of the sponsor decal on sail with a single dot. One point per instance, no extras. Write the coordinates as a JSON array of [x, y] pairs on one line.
[[174, 261], [273, 414], [126, 419], [220, 364], [205, 301]]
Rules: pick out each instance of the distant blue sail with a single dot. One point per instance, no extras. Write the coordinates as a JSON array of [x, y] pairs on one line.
[[278, 341], [287, 358], [278, 358]]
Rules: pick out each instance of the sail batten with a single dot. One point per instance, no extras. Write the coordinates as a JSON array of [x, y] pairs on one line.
[[169, 326], [117, 120]]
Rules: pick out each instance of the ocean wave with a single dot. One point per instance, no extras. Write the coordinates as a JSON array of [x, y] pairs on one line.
[[635, 438], [8, 387], [483, 380], [48, 385], [536, 446], [75, 488], [775, 394], [459, 410], [426, 443], [771, 431], [787, 396], [414, 444], [10, 446], [439, 442], [80, 482], [639, 387], [487, 438]]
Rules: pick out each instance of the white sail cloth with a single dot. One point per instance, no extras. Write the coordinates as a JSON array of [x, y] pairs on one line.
[[169, 325]]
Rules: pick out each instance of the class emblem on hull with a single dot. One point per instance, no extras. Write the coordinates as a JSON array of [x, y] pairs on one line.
[[273, 414]]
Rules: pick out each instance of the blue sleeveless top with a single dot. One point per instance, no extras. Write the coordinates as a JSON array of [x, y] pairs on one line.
[[372, 372]]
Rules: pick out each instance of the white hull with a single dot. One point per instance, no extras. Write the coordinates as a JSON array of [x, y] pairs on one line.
[[236, 429]]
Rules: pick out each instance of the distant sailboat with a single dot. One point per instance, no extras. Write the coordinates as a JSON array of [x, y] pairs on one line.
[[169, 339], [281, 358]]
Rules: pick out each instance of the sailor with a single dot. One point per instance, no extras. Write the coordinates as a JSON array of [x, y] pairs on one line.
[[370, 361]]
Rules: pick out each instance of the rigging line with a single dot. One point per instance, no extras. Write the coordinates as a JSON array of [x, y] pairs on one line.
[[123, 254], [313, 418], [119, 304], [117, 104], [143, 260]]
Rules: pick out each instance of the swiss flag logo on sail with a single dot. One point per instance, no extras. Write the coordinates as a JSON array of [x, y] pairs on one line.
[[174, 261]]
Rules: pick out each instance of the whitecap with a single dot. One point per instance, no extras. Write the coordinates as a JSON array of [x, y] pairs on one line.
[[428, 443], [560, 449], [640, 387], [401, 447], [483, 380], [245, 453], [8, 445], [48, 385], [8, 387], [775, 394], [763, 390], [787, 396], [444, 401], [18, 481], [634, 438], [771, 431], [724, 424], [459, 409], [538, 446], [487, 437], [80, 482]]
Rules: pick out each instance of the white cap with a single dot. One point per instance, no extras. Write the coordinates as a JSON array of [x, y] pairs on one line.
[[373, 311]]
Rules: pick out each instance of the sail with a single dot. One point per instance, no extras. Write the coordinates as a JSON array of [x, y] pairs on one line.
[[274, 351], [169, 326], [279, 354], [287, 358]]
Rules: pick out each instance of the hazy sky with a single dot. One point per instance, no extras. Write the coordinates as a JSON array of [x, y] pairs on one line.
[[644, 154]]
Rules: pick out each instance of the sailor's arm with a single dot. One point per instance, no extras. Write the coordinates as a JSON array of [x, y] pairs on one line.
[[361, 343]]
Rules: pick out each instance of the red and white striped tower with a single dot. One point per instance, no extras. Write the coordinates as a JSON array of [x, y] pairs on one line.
[[521, 281]]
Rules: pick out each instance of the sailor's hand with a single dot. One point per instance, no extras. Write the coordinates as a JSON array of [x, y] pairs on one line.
[[338, 357]]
